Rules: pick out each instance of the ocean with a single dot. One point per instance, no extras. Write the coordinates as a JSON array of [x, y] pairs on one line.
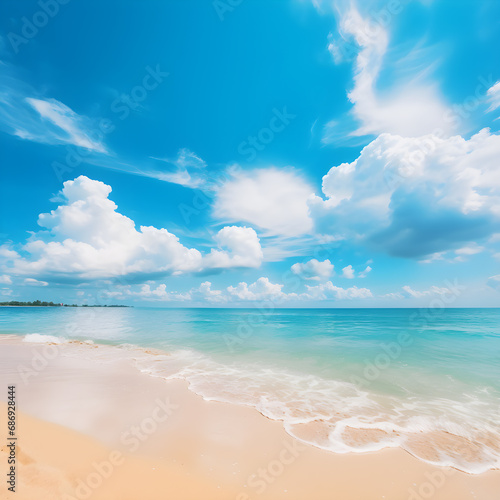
[[345, 380]]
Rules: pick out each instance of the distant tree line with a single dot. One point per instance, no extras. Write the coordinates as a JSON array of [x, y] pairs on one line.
[[39, 303], [34, 303]]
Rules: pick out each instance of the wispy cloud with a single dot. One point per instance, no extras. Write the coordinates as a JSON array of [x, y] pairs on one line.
[[27, 114], [411, 107], [188, 169], [493, 95], [73, 127], [30, 116]]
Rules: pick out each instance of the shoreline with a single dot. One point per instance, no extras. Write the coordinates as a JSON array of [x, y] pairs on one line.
[[246, 454], [248, 308]]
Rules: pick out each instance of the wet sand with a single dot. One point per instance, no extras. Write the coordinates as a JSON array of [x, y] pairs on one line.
[[90, 426]]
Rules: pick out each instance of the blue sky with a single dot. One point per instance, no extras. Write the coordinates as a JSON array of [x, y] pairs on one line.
[[302, 153]]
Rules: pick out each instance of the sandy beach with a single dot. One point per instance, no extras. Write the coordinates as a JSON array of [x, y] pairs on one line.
[[250, 250], [93, 427]]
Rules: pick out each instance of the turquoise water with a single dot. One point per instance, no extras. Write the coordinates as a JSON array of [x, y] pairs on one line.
[[345, 380]]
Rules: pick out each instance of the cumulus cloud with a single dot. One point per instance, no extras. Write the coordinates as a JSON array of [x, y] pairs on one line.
[[5, 280], [348, 272], [242, 249], [328, 290], [413, 197], [205, 292], [261, 289], [264, 289], [87, 238], [144, 292], [7, 254], [159, 293], [393, 296], [313, 269], [275, 200]]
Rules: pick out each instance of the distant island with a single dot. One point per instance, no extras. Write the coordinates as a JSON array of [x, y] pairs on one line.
[[39, 303]]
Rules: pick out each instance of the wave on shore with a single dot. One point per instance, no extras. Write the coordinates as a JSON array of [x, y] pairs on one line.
[[461, 432]]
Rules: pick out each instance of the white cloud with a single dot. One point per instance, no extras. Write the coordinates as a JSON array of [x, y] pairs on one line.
[[328, 290], [189, 170], [433, 290], [5, 280], [86, 238], [414, 197], [65, 120], [469, 250], [348, 272], [274, 200], [410, 108], [313, 269], [414, 293], [145, 292], [7, 254], [433, 258], [205, 292], [261, 289], [158, 293], [364, 274], [458, 255], [493, 95], [34, 282], [243, 249], [27, 115]]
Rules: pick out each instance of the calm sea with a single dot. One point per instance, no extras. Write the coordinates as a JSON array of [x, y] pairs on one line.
[[346, 380]]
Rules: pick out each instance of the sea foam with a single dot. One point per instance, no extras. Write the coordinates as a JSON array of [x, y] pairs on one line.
[[340, 417], [38, 338]]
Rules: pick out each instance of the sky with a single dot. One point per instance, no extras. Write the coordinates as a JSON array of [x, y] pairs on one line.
[[247, 153]]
